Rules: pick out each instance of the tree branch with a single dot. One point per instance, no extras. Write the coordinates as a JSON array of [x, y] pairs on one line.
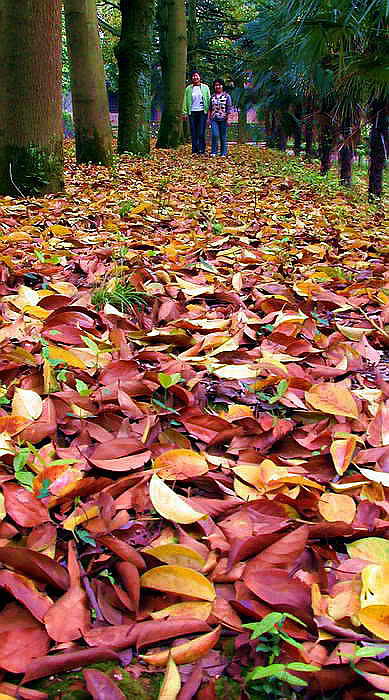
[[108, 27]]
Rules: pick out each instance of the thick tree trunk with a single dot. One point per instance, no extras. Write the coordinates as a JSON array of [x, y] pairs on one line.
[[31, 134], [297, 131], [346, 153], [173, 47], [133, 54], [379, 146], [89, 94]]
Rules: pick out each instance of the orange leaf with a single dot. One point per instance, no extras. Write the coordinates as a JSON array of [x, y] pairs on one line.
[[185, 653], [332, 398], [335, 507], [342, 452], [180, 464]]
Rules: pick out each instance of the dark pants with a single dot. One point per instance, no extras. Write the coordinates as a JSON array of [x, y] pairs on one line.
[[219, 132], [198, 122]]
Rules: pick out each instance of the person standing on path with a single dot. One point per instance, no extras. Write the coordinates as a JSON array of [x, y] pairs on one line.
[[196, 105], [220, 115]]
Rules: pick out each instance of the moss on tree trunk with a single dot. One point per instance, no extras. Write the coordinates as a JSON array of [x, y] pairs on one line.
[[173, 49], [89, 94], [31, 140], [133, 54]]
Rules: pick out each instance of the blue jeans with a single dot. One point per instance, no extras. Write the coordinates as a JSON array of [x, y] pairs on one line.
[[219, 132], [198, 122]]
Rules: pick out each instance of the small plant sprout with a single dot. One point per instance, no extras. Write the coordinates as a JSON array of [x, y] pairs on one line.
[[168, 380], [122, 296], [269, 680]]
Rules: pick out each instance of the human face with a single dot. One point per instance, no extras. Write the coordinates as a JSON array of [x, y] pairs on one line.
[[196, 80], [218, 88]]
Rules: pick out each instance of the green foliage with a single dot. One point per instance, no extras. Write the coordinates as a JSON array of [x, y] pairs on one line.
[[270, 680], [168, 380], [122, 296], [126, 207]]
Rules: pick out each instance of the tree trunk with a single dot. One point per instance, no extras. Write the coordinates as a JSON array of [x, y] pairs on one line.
[[346, 153], [173, 47], [92, 127], [297, 131], [133, 54], [308, 130], [326, 140], [242, 125], [193, 58], [281, 139], [31, 134], [379, 145]]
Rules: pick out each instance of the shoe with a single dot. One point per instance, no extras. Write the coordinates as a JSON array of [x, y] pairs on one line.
[[223, 155], [213, 155]]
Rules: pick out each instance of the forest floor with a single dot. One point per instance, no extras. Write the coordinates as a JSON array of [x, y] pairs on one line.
[[194, 433]]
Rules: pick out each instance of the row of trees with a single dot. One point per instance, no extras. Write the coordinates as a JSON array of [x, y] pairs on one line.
[[322, 64], [140, 35]]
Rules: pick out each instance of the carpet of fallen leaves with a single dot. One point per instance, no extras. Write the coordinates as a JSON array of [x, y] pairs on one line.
[[174, 470]]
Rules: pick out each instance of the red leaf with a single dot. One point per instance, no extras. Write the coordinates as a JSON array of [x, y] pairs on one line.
[[23, 507], [36, 565], [101, 686], [22, 638], [57, 663]]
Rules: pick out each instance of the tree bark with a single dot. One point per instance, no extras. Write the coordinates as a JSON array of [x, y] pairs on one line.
[[297, 131], [93, 131], [379, 146], [31, 134], [242, 125], [173, 48], [346, 153], [133, 54], [193, 57], [326, 140]]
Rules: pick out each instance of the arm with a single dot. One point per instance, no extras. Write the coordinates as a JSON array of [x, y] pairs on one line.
[[184, 107], [229, 109]]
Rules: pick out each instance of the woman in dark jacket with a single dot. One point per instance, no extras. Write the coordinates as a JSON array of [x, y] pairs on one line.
[[220, 112]]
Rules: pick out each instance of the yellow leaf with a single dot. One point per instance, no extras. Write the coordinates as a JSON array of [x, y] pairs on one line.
[[373, 549], [171, 683], [59, 231], [171, 506], [177, 554], [65, 288], [354, 332], [374, 613], [36, 312], [27, 404], [179, 580], [196, 609], [335, 507], [185, 653], [65, 356], [84, 514], [143, 206], [332, 398]]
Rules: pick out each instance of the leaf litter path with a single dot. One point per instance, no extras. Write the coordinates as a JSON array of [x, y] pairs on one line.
[[172, 471]]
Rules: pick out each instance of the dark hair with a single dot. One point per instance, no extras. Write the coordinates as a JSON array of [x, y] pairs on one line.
[[193, 72], [218, 80]]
